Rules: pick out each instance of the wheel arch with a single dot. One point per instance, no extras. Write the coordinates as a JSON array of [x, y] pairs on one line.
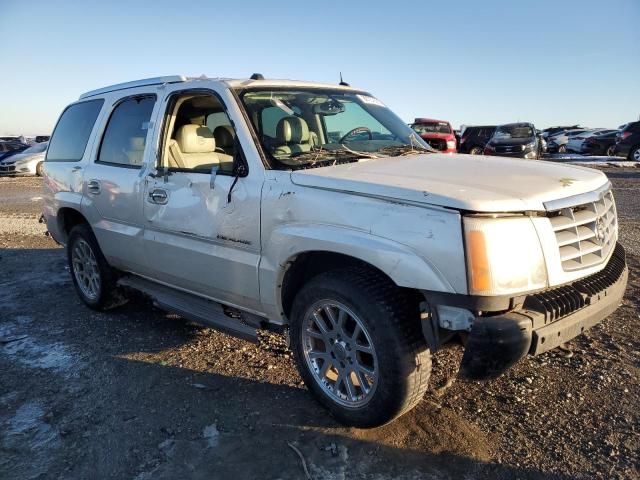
[[309, 264], [67, 218], [287, 267]]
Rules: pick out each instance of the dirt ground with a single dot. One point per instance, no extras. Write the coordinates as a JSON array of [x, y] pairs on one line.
[[140, 394]]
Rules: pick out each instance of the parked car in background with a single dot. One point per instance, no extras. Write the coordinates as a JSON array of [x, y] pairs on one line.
[[547, 132], [603, 144], [27, 162], [437, 133], [628, 142], [515, 140], [456, 133], [575, 142], [42, 138], [474, 138], [543, 143], [8, 148], [557, 143]]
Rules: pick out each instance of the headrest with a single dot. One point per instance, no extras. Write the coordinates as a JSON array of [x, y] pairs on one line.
[[136, 143], [195, 139], [292, 130], [224, 136]]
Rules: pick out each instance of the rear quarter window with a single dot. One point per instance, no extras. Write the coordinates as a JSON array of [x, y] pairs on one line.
[[70, 137]]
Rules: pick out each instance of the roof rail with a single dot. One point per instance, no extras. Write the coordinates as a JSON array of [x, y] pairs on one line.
[[136, 83]]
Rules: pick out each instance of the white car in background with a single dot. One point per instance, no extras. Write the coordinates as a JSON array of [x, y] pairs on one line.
[[557, 143], [575, 142], [29, 162]]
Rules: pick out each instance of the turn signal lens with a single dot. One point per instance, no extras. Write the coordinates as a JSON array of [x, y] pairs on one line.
[[479, 273]]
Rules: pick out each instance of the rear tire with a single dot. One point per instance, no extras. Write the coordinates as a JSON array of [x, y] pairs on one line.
[[93, 278], [371, 377], [634, 154], [562, 149], [39, 169], [476, 151], [610, 151]]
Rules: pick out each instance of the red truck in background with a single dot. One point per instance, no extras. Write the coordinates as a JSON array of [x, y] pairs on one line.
[[437, 133]]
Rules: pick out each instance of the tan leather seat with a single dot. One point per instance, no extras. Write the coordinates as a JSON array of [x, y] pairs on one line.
[[292, 133], [225, 138], [136, 150], [225, 141], [193, 148]]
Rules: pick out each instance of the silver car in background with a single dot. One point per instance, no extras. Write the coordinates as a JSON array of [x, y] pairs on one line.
[[29, 162]]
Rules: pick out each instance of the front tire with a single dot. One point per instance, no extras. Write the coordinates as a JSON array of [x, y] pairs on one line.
[[92, 276], [562, 149], [476, 151], [634, 154], [359, 346], [39, 169]]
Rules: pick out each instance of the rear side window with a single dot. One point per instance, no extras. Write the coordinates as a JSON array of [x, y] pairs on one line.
[[126, 133], [70, 137]]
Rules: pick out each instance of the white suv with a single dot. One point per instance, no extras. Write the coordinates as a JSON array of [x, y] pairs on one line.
[[248, 204]]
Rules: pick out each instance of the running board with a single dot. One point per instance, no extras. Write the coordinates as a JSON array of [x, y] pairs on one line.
[[194, 308]]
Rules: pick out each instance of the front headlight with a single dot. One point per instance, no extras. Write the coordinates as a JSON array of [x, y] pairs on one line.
[[451, 144], [504, 256]]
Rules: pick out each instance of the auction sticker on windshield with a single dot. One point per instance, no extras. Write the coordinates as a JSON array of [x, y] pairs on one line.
[[370, 100]]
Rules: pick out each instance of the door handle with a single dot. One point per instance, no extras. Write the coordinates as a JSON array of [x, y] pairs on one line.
[[93, 186], [158, 196]]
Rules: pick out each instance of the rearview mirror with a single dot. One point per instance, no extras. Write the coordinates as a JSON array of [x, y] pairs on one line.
[[330, 107]]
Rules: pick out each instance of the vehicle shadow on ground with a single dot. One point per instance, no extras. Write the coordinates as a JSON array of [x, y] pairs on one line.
[[235, 427], [129, 406]]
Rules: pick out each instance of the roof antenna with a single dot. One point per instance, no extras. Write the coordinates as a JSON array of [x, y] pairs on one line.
[[342, 82]]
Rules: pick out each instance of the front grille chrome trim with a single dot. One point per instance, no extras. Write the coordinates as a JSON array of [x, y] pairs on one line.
[[579, 199], [585, 232]]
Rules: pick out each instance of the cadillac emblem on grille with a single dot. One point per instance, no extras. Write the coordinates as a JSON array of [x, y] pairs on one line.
[[600, 230]]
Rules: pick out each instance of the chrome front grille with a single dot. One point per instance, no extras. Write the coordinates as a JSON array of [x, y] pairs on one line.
[[586, 233]]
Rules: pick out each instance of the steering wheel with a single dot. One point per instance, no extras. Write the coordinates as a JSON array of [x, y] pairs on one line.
[[355, 131]]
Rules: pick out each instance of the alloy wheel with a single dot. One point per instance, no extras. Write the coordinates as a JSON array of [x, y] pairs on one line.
[[85, 269], [339, 353]]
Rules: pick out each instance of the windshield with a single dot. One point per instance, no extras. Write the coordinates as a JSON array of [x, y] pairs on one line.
[[506, 132], [303, 128], [37, 148], [432, 127]]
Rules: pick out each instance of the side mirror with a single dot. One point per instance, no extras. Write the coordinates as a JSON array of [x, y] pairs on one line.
[[214, 174]]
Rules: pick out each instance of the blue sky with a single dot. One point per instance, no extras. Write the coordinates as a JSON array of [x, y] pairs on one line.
[[470, 62]]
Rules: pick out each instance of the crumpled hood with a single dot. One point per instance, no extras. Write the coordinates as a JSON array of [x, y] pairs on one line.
[[465, 182]]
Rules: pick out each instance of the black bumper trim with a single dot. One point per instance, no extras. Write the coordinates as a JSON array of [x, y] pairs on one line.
[[554, 317]]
